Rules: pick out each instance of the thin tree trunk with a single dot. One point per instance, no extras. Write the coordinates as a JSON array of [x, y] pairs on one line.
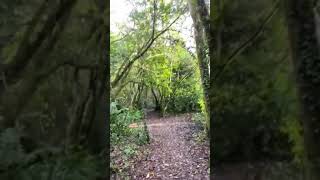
[[158, 107]]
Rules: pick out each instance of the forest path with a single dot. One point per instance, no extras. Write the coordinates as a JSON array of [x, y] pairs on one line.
[[173, 152]]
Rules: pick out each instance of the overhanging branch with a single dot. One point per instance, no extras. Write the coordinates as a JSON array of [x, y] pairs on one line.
[[144, 49]]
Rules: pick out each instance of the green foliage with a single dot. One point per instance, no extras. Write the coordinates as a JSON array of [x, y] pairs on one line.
[[16, 164], [284, 171], [172, 73], [173, 76], [167, 68], [77, 166], [129, 151], [125, 141], [198, 118], [45, 99], [120, 119], [253, 99], [293, 128], [253, 125], [165, 78], [11, 151]]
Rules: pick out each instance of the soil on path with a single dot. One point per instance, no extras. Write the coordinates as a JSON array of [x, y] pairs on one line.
[[173, 151]]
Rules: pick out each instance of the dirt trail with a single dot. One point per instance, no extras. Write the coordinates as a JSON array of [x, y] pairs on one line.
[[173, 152]]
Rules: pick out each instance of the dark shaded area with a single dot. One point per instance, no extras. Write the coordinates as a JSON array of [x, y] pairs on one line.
[[54, 89], [263, 100]]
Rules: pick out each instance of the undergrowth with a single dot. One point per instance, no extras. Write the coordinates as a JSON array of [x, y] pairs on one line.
[[199, 118], [45, 163], [125, 141]]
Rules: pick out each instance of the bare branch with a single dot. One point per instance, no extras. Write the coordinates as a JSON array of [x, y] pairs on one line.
[[123, 37]]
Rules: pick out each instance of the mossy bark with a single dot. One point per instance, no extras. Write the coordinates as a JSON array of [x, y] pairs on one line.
[[306, 61], [199, 14]]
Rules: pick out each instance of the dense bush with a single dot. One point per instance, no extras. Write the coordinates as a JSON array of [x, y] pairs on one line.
[[253, 124], [185, 99], [46, 162], [283, 171], [120, 119], [253, 97], [125, 141], [253, 111]]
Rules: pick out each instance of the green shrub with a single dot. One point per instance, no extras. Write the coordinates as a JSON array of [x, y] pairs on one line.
[[121, 118], [16, 164], [125, 141]]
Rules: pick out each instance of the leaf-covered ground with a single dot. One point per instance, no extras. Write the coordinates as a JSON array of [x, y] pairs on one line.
[[173, 151]]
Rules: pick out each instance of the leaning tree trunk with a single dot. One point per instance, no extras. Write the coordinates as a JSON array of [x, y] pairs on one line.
[[21, 80], [306, 60]]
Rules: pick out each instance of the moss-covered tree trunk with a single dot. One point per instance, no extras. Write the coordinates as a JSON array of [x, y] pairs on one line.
[[306, 60], [37, 59], [200, 17]]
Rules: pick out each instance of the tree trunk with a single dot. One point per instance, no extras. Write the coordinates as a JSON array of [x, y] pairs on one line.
[[306, 61], [28, 47], [158, 106], [138, 100], [199, 14]]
